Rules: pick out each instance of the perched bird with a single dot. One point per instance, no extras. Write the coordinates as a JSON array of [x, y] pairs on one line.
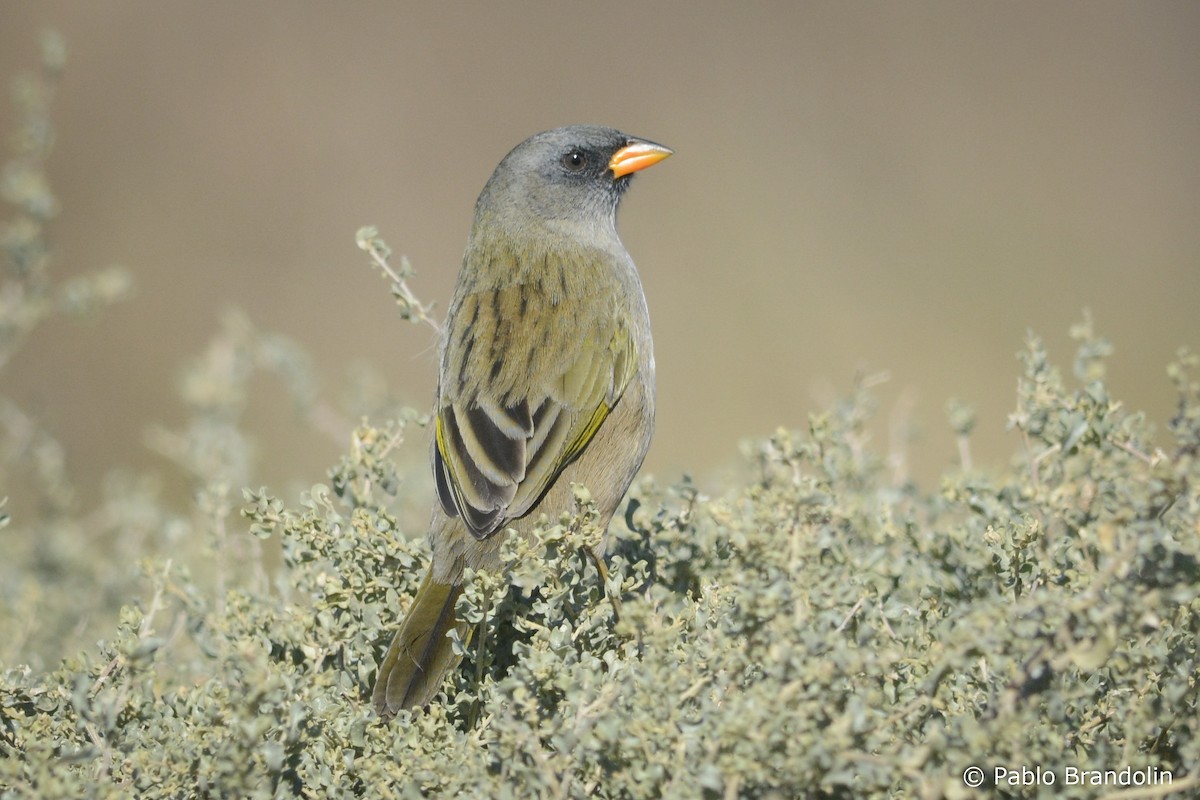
[[546, 377]]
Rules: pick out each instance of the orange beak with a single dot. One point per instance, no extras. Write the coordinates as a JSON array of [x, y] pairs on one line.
[[635, 156]]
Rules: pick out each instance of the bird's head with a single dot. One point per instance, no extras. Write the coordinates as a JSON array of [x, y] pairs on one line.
[[575, 174]]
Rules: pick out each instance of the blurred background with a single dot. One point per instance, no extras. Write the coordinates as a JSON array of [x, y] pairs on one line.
[[857, 186]]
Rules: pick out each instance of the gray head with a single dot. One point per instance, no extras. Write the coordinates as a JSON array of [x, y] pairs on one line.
[[575, 174]]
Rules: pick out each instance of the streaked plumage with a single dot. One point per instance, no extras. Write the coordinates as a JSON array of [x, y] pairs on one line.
[[547, 375]]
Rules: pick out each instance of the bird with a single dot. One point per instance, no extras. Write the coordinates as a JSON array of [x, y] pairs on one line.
[[546, 378]]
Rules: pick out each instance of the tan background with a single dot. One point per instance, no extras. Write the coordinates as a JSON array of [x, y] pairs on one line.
[[903, 186]]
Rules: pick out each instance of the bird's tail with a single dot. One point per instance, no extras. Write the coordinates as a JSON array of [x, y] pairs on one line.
[[421, 654]]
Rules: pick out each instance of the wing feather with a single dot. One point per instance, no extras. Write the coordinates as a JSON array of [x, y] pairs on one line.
[[496, 456]]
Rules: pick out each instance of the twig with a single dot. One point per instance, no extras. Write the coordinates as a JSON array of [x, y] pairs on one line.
[[411, 308], [850, 616], [886, 626], [1138, 454]]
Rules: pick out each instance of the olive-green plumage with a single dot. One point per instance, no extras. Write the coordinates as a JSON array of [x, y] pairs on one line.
[[546, 379]]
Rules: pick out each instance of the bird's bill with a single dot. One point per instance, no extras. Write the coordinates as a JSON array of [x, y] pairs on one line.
[[636, 156]]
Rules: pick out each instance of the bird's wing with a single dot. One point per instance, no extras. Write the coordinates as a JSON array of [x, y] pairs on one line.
[[497, 452]]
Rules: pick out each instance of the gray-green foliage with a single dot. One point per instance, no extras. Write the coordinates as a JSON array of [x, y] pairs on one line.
[[814, 630], [33, 464]]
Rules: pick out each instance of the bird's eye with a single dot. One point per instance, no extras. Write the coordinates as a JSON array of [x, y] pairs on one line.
[[574, 161]]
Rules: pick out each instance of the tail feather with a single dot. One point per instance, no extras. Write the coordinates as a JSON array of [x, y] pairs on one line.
[[421, 654]]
